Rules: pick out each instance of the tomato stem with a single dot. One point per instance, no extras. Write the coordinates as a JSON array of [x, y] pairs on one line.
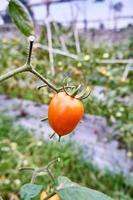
[[13, 73], [53, 162], [33, 71], [51, 176], [26, 168], [29, 67], [31, 42], [34, 175], [59, 138]]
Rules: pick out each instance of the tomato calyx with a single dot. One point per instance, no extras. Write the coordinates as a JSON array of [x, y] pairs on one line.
[[51, 136], [77, 92]]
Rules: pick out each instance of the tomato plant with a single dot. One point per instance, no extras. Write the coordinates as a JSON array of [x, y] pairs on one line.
[[63, 188]]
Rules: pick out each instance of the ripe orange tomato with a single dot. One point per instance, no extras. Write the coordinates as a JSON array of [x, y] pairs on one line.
[[51, 95], [64, 113], [55, 197], [44, 195]]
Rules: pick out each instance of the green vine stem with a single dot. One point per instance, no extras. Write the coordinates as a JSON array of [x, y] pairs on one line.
[[31, 42], [52, 178], [34, 175], [45, 169], [44, 80], [13, 73], [26, 168]]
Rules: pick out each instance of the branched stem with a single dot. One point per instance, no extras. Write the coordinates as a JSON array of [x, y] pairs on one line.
[[13, 73], [28, 67], [34, 175], [51, 176], [53, 162], [43, 79], [26, 168]]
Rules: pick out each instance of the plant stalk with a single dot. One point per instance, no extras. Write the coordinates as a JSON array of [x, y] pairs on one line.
[[24, 68], [43, 79], [31, 42], [26, 168]]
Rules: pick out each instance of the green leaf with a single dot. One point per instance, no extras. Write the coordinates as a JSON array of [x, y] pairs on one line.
[[78, 193], [65, 182], [21, 17], [70, 190], [29, 191]]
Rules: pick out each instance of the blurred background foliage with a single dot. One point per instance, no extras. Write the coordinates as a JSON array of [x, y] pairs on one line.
[[18, 148], [116, 105]]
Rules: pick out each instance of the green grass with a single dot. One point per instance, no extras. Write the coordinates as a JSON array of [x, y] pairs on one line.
[[18, 147]]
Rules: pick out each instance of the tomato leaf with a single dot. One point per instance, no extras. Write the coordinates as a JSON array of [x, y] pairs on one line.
[[29, 191], [64, 182], [71, 190], [78, 193], [21, 17]]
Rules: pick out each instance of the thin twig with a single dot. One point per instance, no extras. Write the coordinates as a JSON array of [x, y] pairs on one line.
[[13, 73], [53, 162], [51, 176], [28, 67], [34, 175], [43, 79], [26, 168], [31, 42]]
